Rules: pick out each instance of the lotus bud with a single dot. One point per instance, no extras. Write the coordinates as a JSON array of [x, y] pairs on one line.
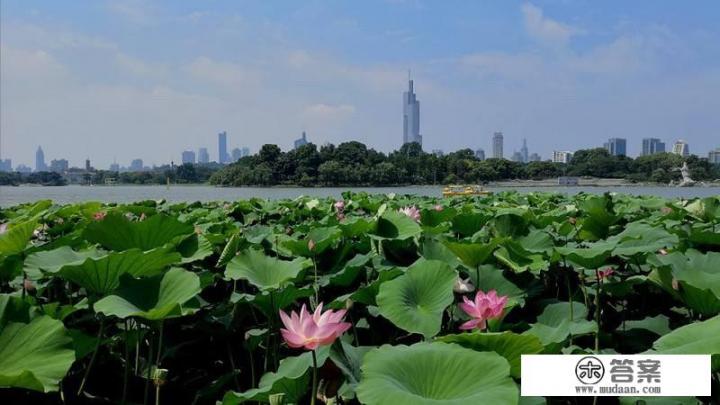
[[142, 217], [438, 207], [311, 245], [463, 286], [29, 286], [99, 216], [603, 274], [411, 212], [159, 376], [340, 205]]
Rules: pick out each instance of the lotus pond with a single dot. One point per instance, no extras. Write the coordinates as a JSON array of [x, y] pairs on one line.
[[369, 299]]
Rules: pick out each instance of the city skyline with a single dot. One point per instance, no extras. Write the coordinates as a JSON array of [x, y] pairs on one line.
[[570, 74]]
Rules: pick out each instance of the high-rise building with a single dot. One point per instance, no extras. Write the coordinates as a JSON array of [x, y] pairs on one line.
[[236, 154], [245, 151], [714, 156], [6, 165], [136, 165], [681, 148], [114, 167], [300, 141], [524, 151], [480, 154], [21, 168], [616, 146], [438, 152], [188, 156], [497, 145], [534, 158], [88, 166], [40, 165], [517, 157], [651, 146], [222, 147], [59, 165], [203, 156], [411, 116], [562, 156]]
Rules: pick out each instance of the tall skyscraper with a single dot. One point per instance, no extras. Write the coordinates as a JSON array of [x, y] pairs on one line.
[[681, 148], [524, 151], [497, 145], [480, 154], [300, 141], [236, 154], [411, 116], [203, 156], [651, 146], [136, 165], [188, 156], [222, 147], [616, 146], [40, 165]]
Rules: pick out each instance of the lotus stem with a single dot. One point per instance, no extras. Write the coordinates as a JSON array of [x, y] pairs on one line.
[[570, 301], [232, 364], [94, 355], [147, 370], [597, 310], [126, 373], [314, 380], [315, 285], [157, 364]]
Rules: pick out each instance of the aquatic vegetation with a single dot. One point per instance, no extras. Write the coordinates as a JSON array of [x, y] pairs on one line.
[[364, 299]]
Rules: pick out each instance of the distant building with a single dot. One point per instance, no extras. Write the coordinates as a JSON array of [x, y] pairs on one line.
[[203, 156], [59, 165], [497, 145], [114, 167], [480, 154], [88, 166], [714, 156], [534, 158], [188, 156], [438, 152], [524, 151], [562, 156], [136, 165], [40, 165], [21, 168], [236, 154], [6, 165], [222, 147], [517, 157], [681, 148], [245, 151], [300, 141], [411, 116], [616, 146], [651, 146]]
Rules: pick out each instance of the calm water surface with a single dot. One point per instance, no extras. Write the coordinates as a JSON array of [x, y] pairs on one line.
[[70, 194]]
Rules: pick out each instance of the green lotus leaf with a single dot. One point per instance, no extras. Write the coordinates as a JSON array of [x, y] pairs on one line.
[[592, 257], [16, 237], [13, 309], [706, 237], [492, 278], [168, 295], [660, 324], [292, 379], [36, 355], [436, 250], [707, 209], [537, 241], [416, 300], [695, 338], [513, 255], [348, 359], [116, 232], [472, 254], [697, 274], [323, 238], [395, 225], [554, 325], [230, 250], [51, 261], [264, 272], [640, 237], [356, 226], [101, 275], [194, 248], [599, 215], [510, 225], [435, 373], [507, 344], [467, 224]]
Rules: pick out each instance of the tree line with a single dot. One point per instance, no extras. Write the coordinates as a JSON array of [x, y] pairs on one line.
[[354, 164]]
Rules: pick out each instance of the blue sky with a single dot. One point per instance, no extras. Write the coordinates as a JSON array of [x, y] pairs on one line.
[[125, 79]]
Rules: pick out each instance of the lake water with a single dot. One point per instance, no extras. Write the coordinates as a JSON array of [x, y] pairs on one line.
[[122, 193]]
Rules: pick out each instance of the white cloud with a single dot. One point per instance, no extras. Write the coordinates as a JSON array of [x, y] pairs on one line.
[[544, 29]]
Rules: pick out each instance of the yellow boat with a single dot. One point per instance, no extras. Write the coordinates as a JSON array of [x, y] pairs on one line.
[[460, 190]]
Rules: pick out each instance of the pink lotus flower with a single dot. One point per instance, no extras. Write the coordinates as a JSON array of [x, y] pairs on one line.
[[438, 207], [312, 330], [99, 216], [340, 205], [603, 274], [486, 306], [411, 212]]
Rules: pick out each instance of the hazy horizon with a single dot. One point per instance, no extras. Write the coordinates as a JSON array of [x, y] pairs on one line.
[[118, 80]]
